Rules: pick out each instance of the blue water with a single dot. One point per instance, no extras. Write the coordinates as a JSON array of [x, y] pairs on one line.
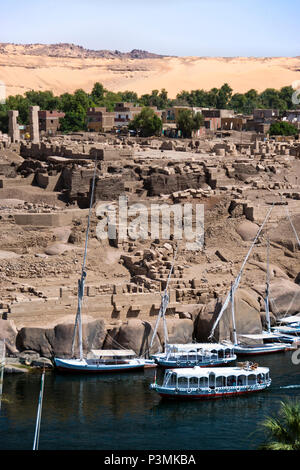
[[119, 412]]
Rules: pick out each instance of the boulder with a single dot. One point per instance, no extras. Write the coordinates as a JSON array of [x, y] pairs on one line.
[[57, 249], [180, 330], [8, 332], [274, 271], [57, 341], [284, 297], [135, 334], [247, 317], [247, 230]]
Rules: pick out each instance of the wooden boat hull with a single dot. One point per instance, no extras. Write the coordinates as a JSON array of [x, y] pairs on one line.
[[259, 351], [70, 366]]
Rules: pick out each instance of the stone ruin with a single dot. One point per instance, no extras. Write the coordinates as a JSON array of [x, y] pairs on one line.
[[236, 181]]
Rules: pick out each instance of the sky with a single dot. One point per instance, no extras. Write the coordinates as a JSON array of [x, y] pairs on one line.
[[223, 28]]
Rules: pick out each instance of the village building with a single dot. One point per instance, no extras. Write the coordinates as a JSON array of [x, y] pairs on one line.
[[293, 117], [49, 121], [124, 113], [100, 120], [236, 123]]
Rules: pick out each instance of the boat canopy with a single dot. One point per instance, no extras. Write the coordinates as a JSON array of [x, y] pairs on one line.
[[291, 319], [265, 335], [218, 371], [197, 346], [113, 352]]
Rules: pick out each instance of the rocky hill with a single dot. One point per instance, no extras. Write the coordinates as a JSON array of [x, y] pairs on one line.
[[67, 67], [72, 51]]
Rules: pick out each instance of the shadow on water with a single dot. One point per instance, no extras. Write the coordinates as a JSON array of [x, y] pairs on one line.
[[119, 411]]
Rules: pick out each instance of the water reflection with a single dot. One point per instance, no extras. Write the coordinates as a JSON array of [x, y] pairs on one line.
[[121, 412]]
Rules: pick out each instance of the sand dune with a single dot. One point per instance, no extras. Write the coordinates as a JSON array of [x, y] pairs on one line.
[[21, 71]]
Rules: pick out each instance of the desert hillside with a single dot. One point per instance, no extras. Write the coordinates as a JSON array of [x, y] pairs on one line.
[[66, 67]]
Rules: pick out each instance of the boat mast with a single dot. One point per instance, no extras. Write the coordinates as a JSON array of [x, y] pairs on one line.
[[2, 366], [81, 281], [235, 342], [39, 415], [163, 307], [268, 288], [238, 278]]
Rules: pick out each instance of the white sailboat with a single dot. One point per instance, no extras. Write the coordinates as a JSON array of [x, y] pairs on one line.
[[241, 347], [101, 360], [190, 354]]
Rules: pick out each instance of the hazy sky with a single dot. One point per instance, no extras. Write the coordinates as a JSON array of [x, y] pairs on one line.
[[175, 27]]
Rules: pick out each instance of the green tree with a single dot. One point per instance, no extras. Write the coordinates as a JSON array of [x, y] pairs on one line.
[[146, 123], [128, 96], [98, 92], [223, 96], [283, 128], [283, 431], [44, 99], [187, 121], [158, 99], [3, 118]]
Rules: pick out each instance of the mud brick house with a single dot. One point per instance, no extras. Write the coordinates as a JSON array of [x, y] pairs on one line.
[[213, 117], [292, 116], [125, 112], [261, 115], [49, 121], [262, 120], [100, 120], [237, 123]]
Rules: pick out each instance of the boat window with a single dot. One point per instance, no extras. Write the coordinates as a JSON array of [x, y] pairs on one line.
[[203, 382], [193, 382], [183, 382], [220, 381], [260, 378], [231, 381], [241, 380], [170, 379], [252, 379]]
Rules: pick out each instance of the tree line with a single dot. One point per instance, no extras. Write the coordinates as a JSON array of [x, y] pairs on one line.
[[75, 105]]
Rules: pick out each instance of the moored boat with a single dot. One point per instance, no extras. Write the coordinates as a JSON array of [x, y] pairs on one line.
[[211, 383], [194, 354], [103, 361], [116, 360], [266, 342], [187, 354]]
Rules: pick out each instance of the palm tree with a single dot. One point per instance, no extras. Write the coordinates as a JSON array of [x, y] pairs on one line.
[[283, 431]]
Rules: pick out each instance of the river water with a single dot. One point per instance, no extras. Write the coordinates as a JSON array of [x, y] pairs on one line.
[[119, 412]]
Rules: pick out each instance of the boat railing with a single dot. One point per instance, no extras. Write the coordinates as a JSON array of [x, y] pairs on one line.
[[213, 389]]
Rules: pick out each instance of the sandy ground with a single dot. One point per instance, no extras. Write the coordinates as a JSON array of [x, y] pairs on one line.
[[21, 72]]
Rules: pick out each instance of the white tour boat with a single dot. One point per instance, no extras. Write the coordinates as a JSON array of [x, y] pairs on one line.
[[189, 354], [102, 360], [195, 354], [208, 383]]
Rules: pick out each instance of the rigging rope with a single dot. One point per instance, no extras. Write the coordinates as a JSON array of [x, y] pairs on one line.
[[238, 278], [164, 305]]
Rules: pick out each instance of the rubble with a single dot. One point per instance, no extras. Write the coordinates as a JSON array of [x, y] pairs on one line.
[[44, 200]]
